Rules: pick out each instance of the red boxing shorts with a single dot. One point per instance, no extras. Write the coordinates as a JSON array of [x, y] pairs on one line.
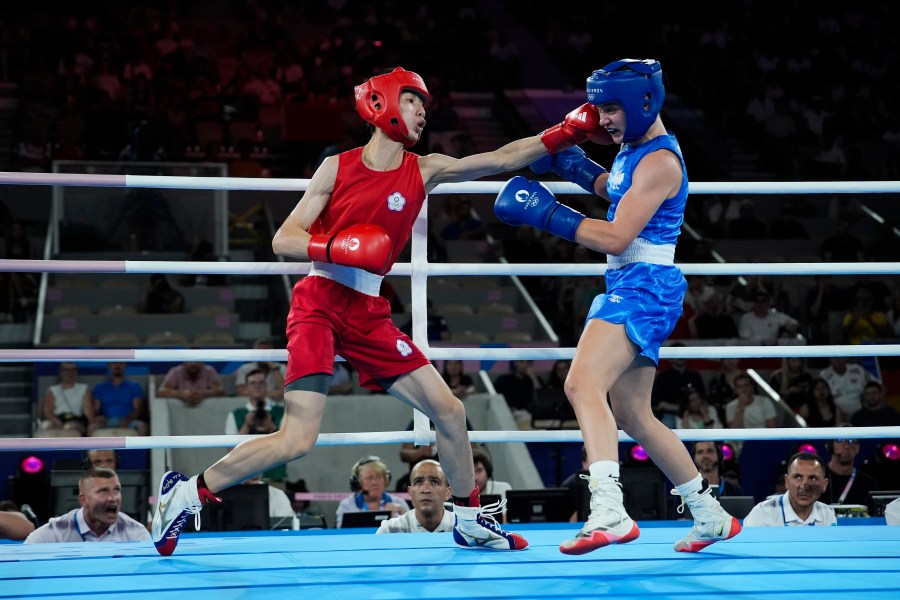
[[328, 318]]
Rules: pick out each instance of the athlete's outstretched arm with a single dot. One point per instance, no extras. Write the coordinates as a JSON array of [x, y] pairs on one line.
[[440, 168]]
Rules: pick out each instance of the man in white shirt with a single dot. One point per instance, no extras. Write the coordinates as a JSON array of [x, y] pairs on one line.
[[763, 324], [847, 381], [749, 410], [428, 490], [805, 481], [98, 519]]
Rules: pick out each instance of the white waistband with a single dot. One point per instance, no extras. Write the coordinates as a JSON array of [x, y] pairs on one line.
[[640, 250], [357, 279]]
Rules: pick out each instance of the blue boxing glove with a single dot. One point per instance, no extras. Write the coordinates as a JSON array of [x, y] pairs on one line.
[[524, 201], [572, 165]]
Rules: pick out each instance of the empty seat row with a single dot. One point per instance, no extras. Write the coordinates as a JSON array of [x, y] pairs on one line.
[[126, 339], [76, 310]]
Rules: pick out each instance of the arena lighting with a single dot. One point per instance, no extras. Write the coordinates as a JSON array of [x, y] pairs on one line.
[[728, 452], [638, 454], [32, 465], [807, 447], [891, 451]]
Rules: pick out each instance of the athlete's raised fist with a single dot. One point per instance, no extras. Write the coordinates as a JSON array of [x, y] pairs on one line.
[[579, 126], [366, 247]]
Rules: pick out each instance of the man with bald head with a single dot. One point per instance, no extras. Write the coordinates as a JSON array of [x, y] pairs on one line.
[[428, 490]]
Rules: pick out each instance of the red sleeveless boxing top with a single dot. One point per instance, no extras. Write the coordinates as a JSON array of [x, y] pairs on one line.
[[391, 199]]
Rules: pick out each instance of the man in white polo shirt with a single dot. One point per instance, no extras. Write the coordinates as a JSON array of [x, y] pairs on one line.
[[805, 481], [98, 519], [428, 490]]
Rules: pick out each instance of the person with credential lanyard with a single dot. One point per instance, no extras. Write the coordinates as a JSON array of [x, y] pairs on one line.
[[847, 484], [805, 481], [611, 378]]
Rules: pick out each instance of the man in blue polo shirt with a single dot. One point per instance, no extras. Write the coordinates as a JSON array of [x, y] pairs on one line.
[[117, 402]]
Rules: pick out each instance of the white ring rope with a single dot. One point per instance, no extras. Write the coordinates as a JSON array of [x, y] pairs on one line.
[[432, 269], [404, 437], [435, 353], [472, 187]]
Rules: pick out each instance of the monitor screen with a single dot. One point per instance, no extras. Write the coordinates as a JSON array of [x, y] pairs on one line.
[[737, 506], [880, 500], [489, 499], [243, 508], [645, 493], [369, 518], [548, 505]]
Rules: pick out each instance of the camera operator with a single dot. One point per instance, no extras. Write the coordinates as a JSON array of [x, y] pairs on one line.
[[260, 415]]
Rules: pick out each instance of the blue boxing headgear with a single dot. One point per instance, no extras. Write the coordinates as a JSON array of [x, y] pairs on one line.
[[635, 84]]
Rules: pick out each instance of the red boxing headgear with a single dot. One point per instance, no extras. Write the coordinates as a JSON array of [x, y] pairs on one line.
[[378, 101]]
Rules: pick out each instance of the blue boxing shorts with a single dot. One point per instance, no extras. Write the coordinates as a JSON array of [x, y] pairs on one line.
[[647, 298]]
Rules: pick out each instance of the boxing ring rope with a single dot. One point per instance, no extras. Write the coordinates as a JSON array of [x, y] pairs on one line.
[[419, 269]]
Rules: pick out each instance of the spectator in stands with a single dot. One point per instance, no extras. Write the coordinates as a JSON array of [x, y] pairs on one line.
[[465, 225], [14, 525], [786, 226], [712, 322], [191, 382], [710, 462], [749, 410], [369, 478], [820, 409], [459, 382], [117, 402], [699, 290], [161, 297], [261, 414], [742, 294], [428, 490], [62, 407], [846, 381], [746, 226], [518, 386], [484, 475], [108, 459], [875, 412], [793, 382], [721, 386], [843, 246], [893, 313], [824, 298], [437, 327], [274, 372], [863, 323], [669, 385], [557, 377], [806, 481], [764, 324], [847, 484], [203, 251], [695, 412], [98, 519]]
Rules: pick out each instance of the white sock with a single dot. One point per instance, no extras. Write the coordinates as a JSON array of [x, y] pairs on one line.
[[605, 468], [694, 485]]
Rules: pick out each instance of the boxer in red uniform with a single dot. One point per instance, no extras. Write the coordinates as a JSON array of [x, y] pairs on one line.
[[352, 222]]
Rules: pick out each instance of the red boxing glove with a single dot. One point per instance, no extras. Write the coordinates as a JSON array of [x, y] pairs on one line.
[[366, 247], [579, 126]]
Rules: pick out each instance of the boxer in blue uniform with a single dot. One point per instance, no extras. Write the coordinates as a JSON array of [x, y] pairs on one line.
[[618, 352]]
